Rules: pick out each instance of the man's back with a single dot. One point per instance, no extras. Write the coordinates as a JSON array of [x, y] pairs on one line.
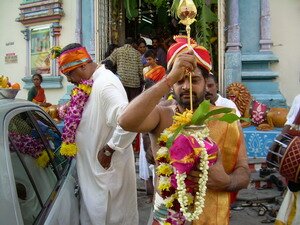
[[129, 66]]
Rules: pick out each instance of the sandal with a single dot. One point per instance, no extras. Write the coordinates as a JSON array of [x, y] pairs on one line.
[[262, 210]]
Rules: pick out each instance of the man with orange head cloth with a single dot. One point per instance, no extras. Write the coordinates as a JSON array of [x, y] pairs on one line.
[[230, 173], [105, 160]]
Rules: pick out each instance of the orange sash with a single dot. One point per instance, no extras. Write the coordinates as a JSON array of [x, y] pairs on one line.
[[155, 74], [73, 58], [40, 96], [217, 204]]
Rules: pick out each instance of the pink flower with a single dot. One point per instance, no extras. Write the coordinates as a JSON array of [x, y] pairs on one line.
[[74, 112], [212, 151], [182, 153]]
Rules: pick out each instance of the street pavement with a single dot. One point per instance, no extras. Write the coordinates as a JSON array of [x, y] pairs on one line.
[[255, 205]]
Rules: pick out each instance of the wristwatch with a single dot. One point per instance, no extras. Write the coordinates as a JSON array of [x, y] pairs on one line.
[[108, 151]]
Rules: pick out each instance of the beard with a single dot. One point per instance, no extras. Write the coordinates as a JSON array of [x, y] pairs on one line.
[[185, 102], [208, 96]]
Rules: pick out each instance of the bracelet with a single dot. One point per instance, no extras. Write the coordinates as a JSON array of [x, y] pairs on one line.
[[168, 82]]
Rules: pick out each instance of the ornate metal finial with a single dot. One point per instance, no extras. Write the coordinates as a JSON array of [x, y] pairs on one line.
[[187, 12]]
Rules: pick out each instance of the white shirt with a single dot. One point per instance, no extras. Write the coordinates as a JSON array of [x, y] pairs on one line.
[[293, 111], [225, 102], [108, 196]]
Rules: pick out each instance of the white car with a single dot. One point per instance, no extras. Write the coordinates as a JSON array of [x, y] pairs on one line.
[[37, 184]]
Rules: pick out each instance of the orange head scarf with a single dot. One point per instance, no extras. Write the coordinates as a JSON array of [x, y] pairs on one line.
[[73, 58], [201, 53]]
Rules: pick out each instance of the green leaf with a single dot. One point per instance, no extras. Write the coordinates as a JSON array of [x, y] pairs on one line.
[[214, 112], [245, 119], [131, 9], [219, 111], [209, 15], [174, 7], [201, 111], [229, 118], [114, 3], [171, 139]]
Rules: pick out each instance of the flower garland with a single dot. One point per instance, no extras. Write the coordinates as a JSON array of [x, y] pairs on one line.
[[26, 144], [79, 97], [189, 151], [186, 147]]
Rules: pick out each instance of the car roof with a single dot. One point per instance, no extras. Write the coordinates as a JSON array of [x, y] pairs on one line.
[[6, 105]]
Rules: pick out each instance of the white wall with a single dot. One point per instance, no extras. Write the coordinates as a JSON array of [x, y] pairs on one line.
[[285, 26], [11, 32]]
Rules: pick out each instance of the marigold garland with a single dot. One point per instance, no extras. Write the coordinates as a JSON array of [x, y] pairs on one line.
[[79, 97]]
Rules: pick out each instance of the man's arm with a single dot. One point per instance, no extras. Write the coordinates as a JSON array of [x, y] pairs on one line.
[[119, 142], [140, 115]]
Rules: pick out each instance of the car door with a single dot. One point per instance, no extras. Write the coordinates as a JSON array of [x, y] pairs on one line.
[[44, 181]]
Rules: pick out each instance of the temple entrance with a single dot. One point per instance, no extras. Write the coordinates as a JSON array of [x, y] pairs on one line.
[[152, 22], [158, 22]]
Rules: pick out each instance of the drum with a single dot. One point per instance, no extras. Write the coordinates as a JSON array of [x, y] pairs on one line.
[[284, 155]]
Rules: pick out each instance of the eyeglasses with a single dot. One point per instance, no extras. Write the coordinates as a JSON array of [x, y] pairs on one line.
[[68, 74]]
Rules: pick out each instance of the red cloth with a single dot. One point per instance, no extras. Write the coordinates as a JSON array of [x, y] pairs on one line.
[[155, 74], [181, 45], [136, 144]]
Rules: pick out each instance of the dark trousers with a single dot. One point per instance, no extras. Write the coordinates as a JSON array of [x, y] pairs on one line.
[[132, 92]]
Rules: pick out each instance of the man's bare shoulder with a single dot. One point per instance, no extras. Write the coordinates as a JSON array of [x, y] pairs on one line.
[[166, 113]]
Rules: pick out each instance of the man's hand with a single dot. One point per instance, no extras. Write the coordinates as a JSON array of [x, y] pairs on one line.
[[184, 62], [218, 179], [45, 104], [104, 156]]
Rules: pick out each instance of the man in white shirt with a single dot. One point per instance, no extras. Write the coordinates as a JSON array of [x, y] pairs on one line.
[[292, 114], [105, 160], [214, 97]]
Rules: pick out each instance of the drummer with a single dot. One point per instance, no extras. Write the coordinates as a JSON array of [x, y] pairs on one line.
[[289, 212]]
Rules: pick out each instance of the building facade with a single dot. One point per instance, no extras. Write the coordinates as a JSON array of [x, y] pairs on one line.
[[257, 42]]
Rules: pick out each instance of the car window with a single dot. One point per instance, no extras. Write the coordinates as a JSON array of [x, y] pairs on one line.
[[37, 164]]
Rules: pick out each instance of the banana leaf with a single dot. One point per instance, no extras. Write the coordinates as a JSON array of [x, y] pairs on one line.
[[203, 114], [216, 112], [131, 9], [174, 8], [201, 111]]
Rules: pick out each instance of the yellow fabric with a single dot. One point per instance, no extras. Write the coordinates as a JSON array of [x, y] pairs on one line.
[[216, 207], [289, 213]]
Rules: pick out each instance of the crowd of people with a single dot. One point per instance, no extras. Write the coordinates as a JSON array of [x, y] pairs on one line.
[[128, 95]]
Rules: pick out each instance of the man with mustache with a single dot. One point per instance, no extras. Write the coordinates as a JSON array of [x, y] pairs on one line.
[[215, 98], [144, 114]]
